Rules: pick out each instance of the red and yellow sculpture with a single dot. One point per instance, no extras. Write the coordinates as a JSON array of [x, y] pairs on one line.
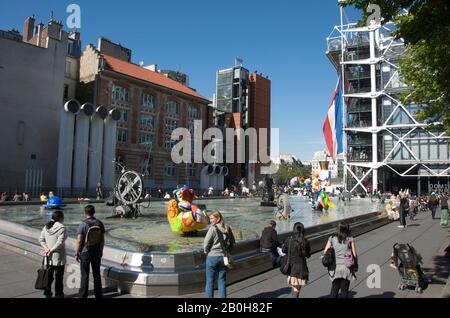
[[183, 216]]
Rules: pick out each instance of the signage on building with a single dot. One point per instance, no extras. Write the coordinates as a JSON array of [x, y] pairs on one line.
[[438, 188]]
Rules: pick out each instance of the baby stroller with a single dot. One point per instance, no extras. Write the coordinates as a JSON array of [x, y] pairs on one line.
[[406, 259]]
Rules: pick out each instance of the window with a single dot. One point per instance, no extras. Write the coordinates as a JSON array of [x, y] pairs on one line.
[[147, 121], [122, 135], [124, 116], [120, 94], [169, 169], [170, 125], [169, 143], [193, 112], [148, 101], [146, 139], [192, 169], [145, 167], [172, 108]]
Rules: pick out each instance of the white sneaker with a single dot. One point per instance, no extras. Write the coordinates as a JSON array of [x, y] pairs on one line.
[[400, 226]]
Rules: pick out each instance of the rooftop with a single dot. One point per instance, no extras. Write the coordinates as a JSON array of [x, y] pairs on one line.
[[147, 75]]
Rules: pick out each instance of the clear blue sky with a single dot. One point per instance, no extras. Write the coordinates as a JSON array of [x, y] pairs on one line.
[[284, 39]]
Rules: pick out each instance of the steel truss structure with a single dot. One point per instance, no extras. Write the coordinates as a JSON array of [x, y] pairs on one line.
[[381, 133]]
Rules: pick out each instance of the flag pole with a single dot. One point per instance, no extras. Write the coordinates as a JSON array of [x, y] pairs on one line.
[[344, 106]]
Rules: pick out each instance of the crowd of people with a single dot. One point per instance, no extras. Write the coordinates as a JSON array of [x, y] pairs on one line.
[[17, 197], [400, 206]]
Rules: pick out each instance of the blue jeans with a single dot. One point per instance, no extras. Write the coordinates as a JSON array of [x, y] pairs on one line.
[[214, 264], [90, 259]]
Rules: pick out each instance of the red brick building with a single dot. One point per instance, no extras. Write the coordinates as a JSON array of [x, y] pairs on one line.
[[259, 113], [152, 106]]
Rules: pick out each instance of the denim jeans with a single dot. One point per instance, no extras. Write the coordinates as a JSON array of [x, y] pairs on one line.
[[93, 260], [214, 264]]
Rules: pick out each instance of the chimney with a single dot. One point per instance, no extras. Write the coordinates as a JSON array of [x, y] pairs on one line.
[[39, 30], [28, 28], [54, 29]]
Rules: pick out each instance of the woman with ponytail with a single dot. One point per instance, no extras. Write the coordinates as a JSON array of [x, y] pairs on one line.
[[219, 237], [299, 250], [52, 240]]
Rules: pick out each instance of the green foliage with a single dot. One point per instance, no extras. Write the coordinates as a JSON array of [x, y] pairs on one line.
[[288, 171], [426, 65]]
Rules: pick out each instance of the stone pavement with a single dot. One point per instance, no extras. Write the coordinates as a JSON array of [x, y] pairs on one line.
[[18, 272], [374, 247]]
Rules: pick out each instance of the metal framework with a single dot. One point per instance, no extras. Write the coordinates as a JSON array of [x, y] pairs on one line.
[[370, 51]]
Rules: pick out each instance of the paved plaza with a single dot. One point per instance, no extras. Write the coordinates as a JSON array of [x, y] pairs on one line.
[[18, 272]]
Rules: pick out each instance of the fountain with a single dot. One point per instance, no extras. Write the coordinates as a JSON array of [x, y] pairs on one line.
[[142, 256]]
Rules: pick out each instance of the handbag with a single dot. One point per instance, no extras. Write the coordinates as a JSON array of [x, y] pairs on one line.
[[285, 266], [329, 258], [227, 259], [43, 278], [350, 261]]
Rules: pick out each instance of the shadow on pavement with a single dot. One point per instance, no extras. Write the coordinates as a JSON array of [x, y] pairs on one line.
[[275, 293], [386, 294], [107, 293]]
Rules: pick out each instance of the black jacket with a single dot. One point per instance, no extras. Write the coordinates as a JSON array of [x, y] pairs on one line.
[[269, 238], [299, 267]]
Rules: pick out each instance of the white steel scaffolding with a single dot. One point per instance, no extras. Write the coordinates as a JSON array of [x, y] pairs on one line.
[[380, 132]]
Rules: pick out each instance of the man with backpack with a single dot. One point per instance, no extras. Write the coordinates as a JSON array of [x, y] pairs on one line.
[[89, 251], [433, 204]]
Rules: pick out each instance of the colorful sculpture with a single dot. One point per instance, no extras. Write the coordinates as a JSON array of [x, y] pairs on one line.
[[183, 216], [324, 201], [54, 202]]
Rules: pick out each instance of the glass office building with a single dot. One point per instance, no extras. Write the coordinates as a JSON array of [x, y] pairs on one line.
[[386, 147]]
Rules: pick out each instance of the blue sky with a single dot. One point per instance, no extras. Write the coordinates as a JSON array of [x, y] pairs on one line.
[[284, 39]]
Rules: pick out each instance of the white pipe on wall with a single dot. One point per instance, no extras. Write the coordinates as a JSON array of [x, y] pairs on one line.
[[96, 147], [65, 143], [80, 157]]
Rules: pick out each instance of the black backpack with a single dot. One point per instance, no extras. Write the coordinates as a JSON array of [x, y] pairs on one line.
[[93, 239]]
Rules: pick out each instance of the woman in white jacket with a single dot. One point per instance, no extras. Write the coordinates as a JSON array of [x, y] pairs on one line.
[[52, 240]]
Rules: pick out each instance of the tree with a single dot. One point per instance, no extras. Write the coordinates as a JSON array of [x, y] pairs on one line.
[[287, 171], [425, 67]]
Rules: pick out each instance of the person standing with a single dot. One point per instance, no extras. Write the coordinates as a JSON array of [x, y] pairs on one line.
[[344, 248], [444, 209], [219, 234], [89, 251], [299, 250], [404, 206], [269, 242], [52, 239], [99, 191], [433, 204], [284, 206]]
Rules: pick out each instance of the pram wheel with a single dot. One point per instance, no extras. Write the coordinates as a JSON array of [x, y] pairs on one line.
[[419, 290], [401, 287]]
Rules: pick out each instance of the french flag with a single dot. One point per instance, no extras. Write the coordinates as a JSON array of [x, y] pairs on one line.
[[333, 127]]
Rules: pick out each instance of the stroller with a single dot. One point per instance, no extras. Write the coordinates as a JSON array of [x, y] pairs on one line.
[[406, 259]]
